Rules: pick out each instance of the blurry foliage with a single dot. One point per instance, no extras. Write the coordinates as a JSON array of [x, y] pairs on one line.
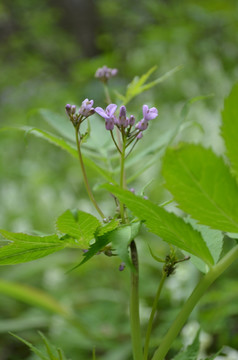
[[45, 64]]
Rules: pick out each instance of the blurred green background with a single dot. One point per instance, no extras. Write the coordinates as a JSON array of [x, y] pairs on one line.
[[49, 52]]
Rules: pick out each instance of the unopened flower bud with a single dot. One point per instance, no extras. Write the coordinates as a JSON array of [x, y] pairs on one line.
[[131, 120], [122, 266], [68, 109], [140, 135], [122, 120], [73, 109]]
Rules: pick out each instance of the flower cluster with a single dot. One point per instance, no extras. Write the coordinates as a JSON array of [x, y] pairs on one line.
[[86, 109], [130, 133], [105, 73], [124, 122]]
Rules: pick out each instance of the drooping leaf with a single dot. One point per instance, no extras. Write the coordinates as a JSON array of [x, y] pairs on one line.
[[26, 247], [32, 296], [80, 225], [230, 127], [203, 186], [191, 352], [168, 226]]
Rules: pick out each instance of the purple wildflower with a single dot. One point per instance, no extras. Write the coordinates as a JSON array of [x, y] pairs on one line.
[[86, 108], [149, 114], [108, 115], [105, 73]]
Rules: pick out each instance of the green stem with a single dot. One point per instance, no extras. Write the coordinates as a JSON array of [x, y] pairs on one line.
[[189, 305], [107, 94], [122, 177], [152, 315], [115, 141], [134, 306], [89, 191]]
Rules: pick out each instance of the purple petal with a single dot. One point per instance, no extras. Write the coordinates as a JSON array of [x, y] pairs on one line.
[[102, 112], [153, 113], [111, 109], [145, 110]]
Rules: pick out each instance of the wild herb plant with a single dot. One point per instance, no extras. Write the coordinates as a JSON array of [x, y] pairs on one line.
[[203, 185]]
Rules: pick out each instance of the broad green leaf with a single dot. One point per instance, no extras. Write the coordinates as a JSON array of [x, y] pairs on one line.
[[168, 226], [191, 352], [214, 241], [100, 243], [229, 127], [32, 348], [203, 186], [32, 296], [28, 247], [112, 225], [60, 123], [80, 225]]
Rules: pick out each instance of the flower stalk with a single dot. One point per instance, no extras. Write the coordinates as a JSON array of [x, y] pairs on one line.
[[89, 191]]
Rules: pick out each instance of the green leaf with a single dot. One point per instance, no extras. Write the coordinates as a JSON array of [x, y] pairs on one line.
[[214, 241], [64, 145], [168, 226], [32, 296], [99, 244], [121, 239], [79, 225], [60, 123], [137, 86], [31, 347], [49, 348], [53, 139], [112, 225], [104, 236], [203, 186], [28, 247], [191, 352], [229, 127]]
